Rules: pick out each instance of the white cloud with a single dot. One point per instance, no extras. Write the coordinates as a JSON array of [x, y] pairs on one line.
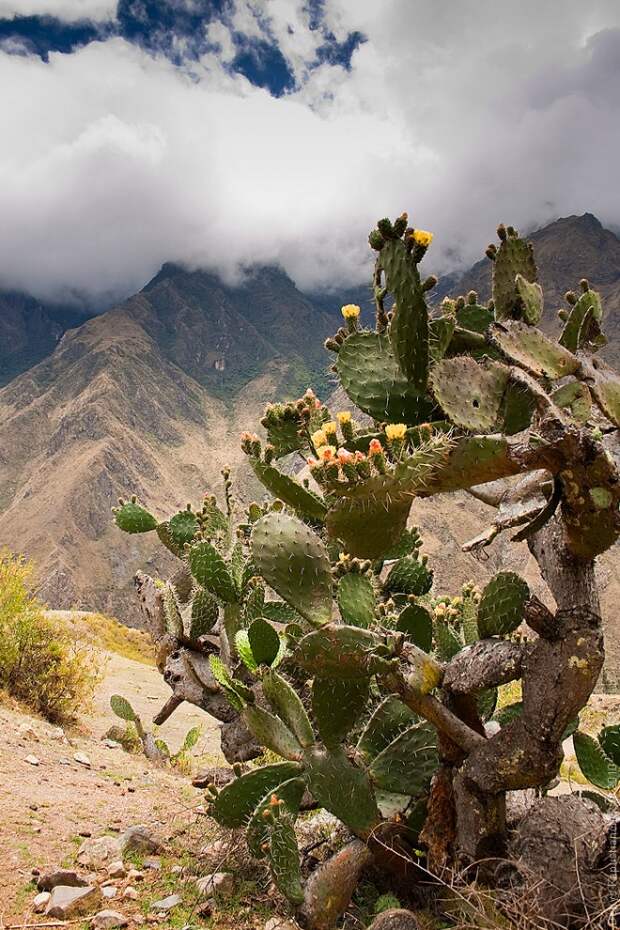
[[67, 10], [114, 161]]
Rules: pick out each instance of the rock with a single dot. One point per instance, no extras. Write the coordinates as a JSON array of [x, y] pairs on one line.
[[130, 893], [27, 731], [153, 863], [166, 904], [395, 918], [82, 758], [32, 760], [64, 762], [216, 851], [105, 920], [176, 869], [40, 901], [97, 852], [66, 877], [280, 923], [109, 891], [112, 743], [216, 775], [139, 839], [66, 902], [116, 869], [218, 883], [134, 875]]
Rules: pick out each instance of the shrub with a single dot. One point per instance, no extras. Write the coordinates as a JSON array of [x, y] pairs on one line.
[[41, 664]]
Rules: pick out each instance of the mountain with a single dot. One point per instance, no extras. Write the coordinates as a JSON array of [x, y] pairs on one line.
[[30, 330], [150, 398]]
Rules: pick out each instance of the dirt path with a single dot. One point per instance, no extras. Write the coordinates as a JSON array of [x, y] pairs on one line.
[[44, 808]]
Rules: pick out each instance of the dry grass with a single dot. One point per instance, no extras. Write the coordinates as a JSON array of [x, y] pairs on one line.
[[103, 632]]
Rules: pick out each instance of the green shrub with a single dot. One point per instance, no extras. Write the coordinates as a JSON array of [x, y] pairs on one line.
[[41, 664]]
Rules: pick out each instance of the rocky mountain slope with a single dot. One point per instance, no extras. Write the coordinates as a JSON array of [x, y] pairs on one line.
[[151, 398]]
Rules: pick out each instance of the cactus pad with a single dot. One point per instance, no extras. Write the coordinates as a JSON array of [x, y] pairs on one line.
[[470, 393], [283, 857], [447, 643], [530, 297], [338, 651], [533, 351], [440, 333], [475, 318], [294, 561], [514, 257], [285, 702], [182, 528], [595, 763], [577, 398], [582, 328], [409, 327], [409, 576], [122, 708], [407, 765], [342, 788], [204, 613], [303, 501], [606, 390], [417, 624], [609, 738], [356, 600], [389, 720], [264, 641], [271, 732], [370, 375], [502, 604], [210, 570], [236, 801], [288, 793], [132, 518], [337, 705]]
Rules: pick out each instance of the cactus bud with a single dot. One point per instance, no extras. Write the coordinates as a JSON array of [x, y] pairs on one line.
[[459, 303], [571, 298], [376, 240], [386, 229], [331, 345], [563, 315], [584, 285], [429, 283], [400, 225], [501, 232], [270, 453], [472, 298]]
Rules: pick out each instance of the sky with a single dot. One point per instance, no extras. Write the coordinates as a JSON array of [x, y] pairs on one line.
[[226, 133]]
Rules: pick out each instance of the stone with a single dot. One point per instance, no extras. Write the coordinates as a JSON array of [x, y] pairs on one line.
[[153, 863], [66, 902], [32, 760], [82, 759], [106, 919], [109, 891], [218, 883], [280, 923], [139, 839], [216, 775], [97, 852], [215, 851], [57, 733], [395, 918], [40, 901], [112, 743], [130, 893], [27, 731], [166, 904], [67, 877], [135, 875], [116, 869]]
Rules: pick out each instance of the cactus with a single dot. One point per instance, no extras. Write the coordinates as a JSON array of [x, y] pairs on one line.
[[409, 329], [595, 763], [514, 257], [408, 763], [337, 705], [342, 788], [356, 600], [502, 604], [533, 351], [470, 393], [409, 576]]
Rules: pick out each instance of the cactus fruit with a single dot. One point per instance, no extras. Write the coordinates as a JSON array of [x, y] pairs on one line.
[[294, 561], [502, 604], [471, 394], [342, 788], [369, 373], [514, 257], [356, 600], [337, 706], [533, 351], [235, 803]]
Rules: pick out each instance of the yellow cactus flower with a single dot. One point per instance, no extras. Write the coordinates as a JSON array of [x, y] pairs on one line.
[[343, 417], [326, 453], [395, 431], [350, 311], [319, 438], [329, 428], [422, 237]]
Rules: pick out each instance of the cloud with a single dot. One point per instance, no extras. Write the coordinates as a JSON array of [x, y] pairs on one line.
[[69, 11], [114, 160]]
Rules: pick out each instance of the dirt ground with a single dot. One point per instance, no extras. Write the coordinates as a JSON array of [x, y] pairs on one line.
[[47, 809]]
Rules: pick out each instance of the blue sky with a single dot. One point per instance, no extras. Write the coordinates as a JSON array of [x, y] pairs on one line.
[[225, 133], [158, 26]]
